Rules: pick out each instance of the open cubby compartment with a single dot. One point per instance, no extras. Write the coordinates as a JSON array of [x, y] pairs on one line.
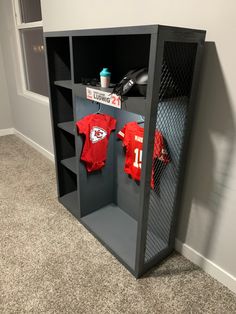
[[58, 54], [66, 171], [64, 127], [119, 53], [109, 198], [68, 194], [63, 109], [66, 154], [62, 105], [68, 181]]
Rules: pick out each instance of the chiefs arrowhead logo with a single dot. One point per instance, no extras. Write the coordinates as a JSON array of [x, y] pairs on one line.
[[97, 134]]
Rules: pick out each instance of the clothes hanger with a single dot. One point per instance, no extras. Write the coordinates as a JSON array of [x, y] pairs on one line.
[[142, 120], [99, 108]]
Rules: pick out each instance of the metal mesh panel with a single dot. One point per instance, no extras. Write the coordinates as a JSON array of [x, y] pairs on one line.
[[172, 115]]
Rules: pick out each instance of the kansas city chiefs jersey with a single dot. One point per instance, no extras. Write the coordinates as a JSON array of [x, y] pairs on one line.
[[132, 137], [97, 129]]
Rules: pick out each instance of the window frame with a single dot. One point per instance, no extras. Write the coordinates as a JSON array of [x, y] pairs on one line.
[[19, 25]]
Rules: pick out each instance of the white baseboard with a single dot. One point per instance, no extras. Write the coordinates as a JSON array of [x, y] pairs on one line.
[[9, 131], [208, 266], [36, 146]]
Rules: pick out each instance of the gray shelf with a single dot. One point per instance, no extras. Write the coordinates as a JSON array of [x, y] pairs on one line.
[[70, 163], [67, 126], [70, 201], [66, 84], [131, 104], [116, 229]]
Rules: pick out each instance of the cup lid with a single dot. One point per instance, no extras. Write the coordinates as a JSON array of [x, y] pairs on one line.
[[105, 72]]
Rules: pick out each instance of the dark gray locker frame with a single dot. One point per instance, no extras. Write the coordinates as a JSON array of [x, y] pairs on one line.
[[159, 35]]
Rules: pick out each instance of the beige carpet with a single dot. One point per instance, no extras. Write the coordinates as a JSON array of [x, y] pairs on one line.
[[49, 263]]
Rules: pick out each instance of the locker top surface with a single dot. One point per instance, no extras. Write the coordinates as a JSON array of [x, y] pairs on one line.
[[128, 30]]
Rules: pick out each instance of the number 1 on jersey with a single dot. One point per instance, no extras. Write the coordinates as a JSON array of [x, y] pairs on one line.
[[138, 158]]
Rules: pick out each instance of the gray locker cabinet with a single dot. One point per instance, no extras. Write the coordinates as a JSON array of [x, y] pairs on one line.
[[135, 222]]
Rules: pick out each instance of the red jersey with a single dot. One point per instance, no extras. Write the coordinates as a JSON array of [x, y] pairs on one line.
[[97, 129], [132, 137]]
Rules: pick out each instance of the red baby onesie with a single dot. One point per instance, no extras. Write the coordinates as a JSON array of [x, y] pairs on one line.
[[132, 137], [97, 129]]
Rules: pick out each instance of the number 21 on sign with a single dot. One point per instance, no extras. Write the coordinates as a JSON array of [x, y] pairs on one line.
[[115, 100]]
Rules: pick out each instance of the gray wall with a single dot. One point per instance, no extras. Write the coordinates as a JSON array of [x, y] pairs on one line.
[[5, 111], [207, 221]]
